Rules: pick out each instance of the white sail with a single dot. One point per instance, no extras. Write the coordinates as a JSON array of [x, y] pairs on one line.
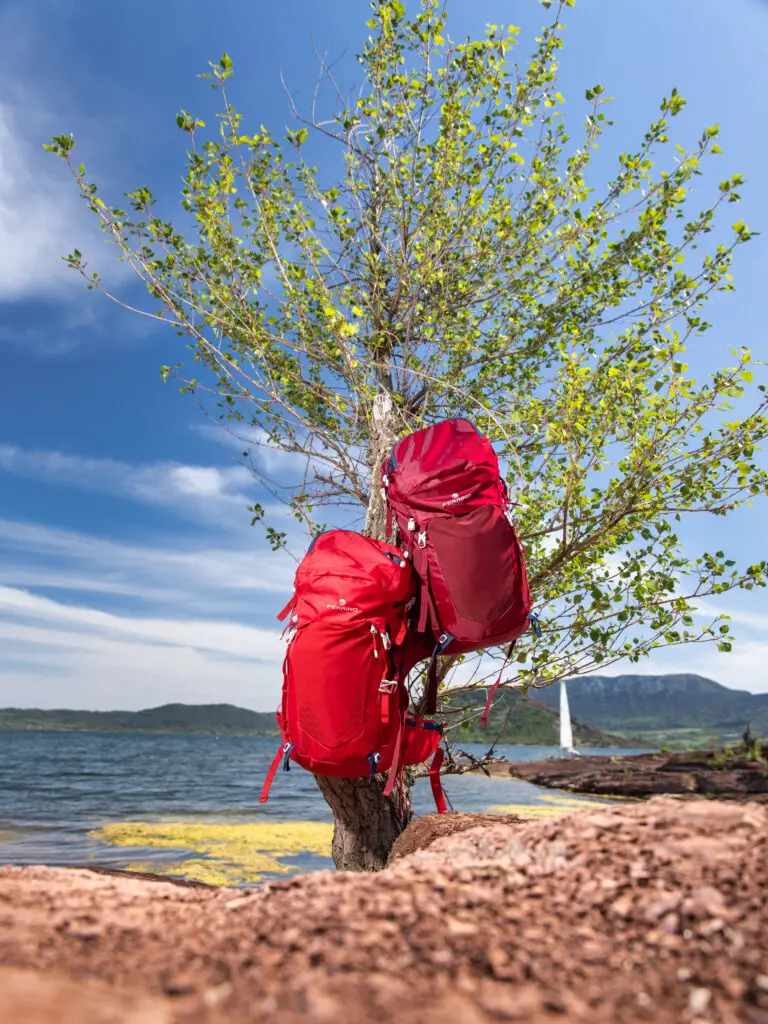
[[566, 731]]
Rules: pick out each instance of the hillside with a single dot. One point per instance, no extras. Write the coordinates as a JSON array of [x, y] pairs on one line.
[[527, 721], [670, 709], [188, 718]]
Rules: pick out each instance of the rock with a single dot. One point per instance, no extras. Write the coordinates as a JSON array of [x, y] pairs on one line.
[[422, 832], [647, 912], [644, 775]]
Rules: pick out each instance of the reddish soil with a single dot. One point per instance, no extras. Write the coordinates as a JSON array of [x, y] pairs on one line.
[[650, 912]]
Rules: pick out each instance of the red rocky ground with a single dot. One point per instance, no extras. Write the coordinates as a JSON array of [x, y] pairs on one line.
[[653, 912]]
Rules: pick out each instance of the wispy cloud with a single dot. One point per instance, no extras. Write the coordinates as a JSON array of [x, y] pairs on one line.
[[193, 491], [45, 666], [201, 644], [41, 214], [189, 576]]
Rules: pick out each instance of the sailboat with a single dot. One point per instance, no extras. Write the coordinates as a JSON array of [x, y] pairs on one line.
[[566, 729]]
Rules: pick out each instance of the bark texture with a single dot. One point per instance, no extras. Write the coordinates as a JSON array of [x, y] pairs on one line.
[[366, 823], [383, 436]]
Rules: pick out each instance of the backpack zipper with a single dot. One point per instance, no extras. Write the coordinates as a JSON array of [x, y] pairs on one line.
[[374, 634]]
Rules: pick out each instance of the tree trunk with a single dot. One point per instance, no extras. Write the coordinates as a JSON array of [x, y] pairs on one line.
[[366, 823]]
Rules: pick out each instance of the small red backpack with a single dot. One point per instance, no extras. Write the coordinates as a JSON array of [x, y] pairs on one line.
[[444, 488], [344, 702]]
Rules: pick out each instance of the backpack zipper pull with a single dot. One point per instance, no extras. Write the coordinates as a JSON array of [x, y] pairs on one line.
[[374, 634], [411, 524]]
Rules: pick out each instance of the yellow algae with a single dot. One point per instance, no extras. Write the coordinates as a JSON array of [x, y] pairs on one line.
[[570, 801], [231, 854], [209, 871], [553, 807]]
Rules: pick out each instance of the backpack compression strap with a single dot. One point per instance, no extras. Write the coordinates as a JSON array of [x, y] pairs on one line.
[[395, 757], [281, 755], [494, 688], [434, 780]]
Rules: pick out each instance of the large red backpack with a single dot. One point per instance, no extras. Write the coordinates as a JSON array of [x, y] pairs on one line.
[[344, 702], [444, 488]]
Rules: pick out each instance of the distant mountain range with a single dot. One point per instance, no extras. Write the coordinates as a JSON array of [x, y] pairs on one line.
[[670, 709], [680, 710], [515, 718], [529, 721]]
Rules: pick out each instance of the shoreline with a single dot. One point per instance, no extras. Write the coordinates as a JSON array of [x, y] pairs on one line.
[[725, 774]]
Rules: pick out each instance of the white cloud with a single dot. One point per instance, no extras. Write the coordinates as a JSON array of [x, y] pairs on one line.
[[41, 214], [129, 625], [67, 655], [197, 491], [188, 577], [223, 637]]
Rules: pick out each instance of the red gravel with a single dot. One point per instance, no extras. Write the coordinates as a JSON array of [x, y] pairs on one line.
[[654, 912]]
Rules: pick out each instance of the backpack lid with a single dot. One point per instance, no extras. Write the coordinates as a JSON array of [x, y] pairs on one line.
[[347, 575], [443, 468]]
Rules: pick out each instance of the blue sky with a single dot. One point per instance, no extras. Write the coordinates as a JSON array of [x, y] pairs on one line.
[[128, 573]]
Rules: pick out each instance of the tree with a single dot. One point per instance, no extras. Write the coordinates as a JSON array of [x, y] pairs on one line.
[[463, 262]]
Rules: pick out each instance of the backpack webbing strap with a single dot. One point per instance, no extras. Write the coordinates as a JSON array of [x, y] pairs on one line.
[[283, 750], [287, 608], [494, 688], [427, 610], [434, 780], [392, 779]]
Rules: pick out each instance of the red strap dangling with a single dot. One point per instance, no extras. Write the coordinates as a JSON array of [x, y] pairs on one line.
[[271, 774], [395, 760], [494, 688], [287, 608], [434, 780]]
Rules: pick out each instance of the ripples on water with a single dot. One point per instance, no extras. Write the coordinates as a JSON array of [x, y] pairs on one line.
[[57, 787]]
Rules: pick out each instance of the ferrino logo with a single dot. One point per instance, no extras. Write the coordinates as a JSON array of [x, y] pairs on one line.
[[456, 498], [342, 606]]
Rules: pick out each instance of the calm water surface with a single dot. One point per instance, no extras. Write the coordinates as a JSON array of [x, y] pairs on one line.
[[56, 787]]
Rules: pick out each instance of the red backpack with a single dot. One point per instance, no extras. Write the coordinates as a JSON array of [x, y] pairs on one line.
[[444, 488], [344, 703]]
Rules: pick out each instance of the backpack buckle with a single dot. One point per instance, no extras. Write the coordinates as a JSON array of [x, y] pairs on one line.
[[388, 686], [421, 539]]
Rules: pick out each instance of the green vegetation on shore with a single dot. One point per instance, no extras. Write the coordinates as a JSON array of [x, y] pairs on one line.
[[528, 723], [519, 719], [181, 718]]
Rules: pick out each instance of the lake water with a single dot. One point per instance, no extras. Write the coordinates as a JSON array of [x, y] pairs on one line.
[[187, 806]]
